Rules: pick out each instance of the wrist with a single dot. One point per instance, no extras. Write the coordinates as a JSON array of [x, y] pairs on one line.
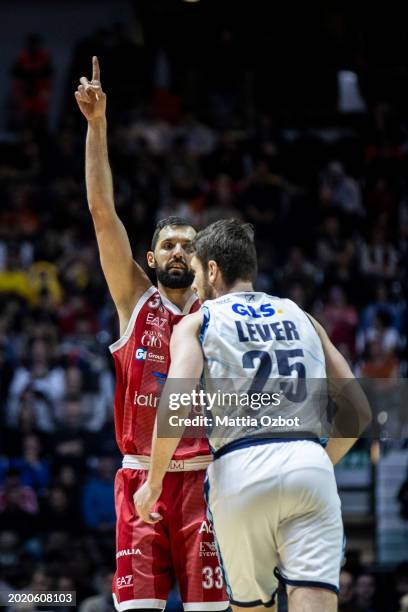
[[155, 483], [97, 123]]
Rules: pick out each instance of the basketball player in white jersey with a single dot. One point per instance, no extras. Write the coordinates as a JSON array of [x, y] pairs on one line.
[[273, 501]]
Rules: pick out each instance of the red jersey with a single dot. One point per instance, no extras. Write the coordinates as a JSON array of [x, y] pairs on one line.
[[142, 361]]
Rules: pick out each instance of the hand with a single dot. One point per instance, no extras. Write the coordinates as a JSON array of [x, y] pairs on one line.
[[145, 499], [90, 97]]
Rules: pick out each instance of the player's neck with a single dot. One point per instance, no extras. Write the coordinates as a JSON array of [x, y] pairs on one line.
[[237, 288], [178, 297]]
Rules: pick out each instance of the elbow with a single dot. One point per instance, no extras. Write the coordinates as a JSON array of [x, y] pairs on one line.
[[101, 211]]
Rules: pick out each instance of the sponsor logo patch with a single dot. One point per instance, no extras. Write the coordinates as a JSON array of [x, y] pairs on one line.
[[155, 321], [151, 339], [124, 581], [140, 354], [206, 528], [128, 552], [207, 549]]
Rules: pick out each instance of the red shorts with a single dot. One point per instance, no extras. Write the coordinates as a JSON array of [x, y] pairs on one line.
[[180, 548]]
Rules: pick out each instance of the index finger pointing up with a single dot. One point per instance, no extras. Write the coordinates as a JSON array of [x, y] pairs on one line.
[[96, 73]]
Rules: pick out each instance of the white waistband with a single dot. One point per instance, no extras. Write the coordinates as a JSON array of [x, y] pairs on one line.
[[142, 462]]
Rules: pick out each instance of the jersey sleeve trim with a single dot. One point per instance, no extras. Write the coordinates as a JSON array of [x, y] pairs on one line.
[[175, 309], [128, 331], [205, 323]]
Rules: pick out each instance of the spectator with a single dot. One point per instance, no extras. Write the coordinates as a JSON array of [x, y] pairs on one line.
[[103, 601], [264, 200], [341, 191], [298, 271], [72, 441], [382, 302], [382, 332], [59, 512], [220, 202], [34, 470], [9, 550], [346, 594], [330, 243], [366, 594], [378, 364], [18, 505], [14, 279], [98, 500], [378, 258], [340, 320], [32, 84]]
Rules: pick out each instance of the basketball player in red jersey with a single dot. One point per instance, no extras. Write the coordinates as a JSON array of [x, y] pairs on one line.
[[149, 557]]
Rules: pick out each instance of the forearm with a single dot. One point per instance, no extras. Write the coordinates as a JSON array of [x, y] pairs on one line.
[[99, 184], [163, 450], [338, 447]]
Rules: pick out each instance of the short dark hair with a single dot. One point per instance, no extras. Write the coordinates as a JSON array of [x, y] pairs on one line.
[[230, 243], [168, 221]]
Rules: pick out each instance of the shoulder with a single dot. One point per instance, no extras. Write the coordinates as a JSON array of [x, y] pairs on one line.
[[189, 324]]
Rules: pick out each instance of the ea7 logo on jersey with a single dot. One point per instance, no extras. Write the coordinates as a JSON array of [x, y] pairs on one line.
[[159, 322], [124, 581], [206, 528], [265, 310]]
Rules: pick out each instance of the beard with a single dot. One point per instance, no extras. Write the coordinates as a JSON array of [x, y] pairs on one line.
[[175, 279], [208, 292]]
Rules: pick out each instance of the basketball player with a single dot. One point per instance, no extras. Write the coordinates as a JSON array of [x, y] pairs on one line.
[[273, 500], [149, 557]]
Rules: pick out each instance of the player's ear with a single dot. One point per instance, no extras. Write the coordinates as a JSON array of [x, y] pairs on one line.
[[151, 262], [213, 271]]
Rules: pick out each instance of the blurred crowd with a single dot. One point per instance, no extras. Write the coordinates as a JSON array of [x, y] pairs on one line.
[[330, 211]]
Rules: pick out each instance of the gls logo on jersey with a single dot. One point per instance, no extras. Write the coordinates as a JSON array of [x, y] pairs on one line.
[[265, 310]]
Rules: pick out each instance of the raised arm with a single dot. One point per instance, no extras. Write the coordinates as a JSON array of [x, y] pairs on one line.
[[353, 414], [126, 279]]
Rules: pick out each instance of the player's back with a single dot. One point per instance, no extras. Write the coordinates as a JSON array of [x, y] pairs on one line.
[[257, 343], [272, 484]]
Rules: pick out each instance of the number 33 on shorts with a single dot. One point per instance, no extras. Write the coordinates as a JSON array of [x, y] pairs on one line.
[[212, 577]]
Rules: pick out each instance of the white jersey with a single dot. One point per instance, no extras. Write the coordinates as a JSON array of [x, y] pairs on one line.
[[264, 362]]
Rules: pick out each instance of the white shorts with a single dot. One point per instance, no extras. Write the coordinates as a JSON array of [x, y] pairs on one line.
[[277, 517]]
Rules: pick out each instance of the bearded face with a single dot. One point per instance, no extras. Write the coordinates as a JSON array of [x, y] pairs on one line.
[[175, 277], [172, 255]]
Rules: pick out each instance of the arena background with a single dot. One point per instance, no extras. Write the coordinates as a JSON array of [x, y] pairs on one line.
[[292, 118]]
